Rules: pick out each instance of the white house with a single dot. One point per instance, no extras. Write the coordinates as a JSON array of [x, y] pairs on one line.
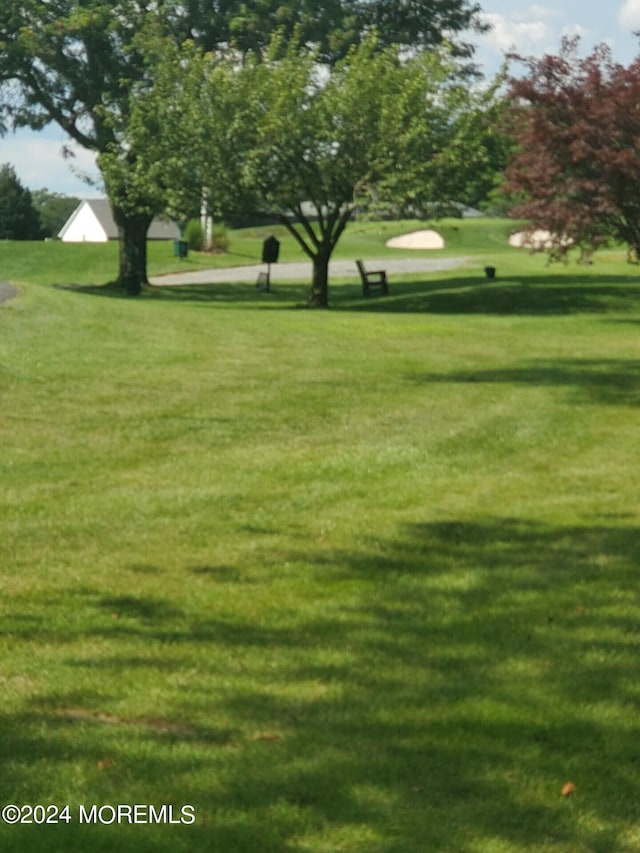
[[92, 222]]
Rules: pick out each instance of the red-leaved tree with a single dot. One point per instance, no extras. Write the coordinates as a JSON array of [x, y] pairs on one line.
[[576, 169]]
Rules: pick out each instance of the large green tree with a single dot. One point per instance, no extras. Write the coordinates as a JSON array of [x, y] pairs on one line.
[[74, 62], [309, 144]]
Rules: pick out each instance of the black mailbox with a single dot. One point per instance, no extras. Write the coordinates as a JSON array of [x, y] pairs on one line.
[[270, 250]]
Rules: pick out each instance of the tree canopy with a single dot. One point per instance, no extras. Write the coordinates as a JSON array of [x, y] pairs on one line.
[[332, 27], [19, 219], [576, 170]]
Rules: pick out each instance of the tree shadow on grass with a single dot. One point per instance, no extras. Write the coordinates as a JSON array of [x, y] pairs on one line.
[[108, 290], [481, 664], [480, 651], [525, 295], [287, 295], [548, 294], [604, 381]]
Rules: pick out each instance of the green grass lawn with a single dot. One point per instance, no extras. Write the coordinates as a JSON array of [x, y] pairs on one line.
[[357, 580]]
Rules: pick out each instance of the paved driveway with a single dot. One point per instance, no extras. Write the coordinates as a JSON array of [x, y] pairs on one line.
[[302, 271]]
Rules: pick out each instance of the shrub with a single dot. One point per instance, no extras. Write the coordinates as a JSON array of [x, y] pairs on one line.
[[194, 235], [219, 238]]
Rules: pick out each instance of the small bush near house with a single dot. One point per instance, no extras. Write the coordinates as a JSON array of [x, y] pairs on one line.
[[194, 235], [219, 238]]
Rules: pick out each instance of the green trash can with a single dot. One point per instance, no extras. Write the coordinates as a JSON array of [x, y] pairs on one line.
[[180, 248]]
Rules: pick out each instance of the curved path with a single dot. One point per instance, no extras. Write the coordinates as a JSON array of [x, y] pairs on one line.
[[302, 271]]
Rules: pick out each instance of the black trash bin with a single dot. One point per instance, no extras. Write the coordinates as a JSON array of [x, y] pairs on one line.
[[490, 272]]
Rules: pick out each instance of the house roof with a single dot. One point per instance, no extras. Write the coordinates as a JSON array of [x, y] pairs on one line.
[[160, 229]]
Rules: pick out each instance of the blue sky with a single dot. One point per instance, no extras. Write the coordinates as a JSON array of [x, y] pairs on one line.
[[530, 28], [536, 28]]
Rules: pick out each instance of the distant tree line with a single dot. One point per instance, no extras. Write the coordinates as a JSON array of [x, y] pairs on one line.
[[30, 216]]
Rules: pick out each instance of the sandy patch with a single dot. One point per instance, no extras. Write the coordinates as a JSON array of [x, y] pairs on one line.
[[417, 240], [538, 239]]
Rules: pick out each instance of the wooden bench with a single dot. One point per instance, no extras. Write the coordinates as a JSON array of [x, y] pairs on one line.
[[374, 278]]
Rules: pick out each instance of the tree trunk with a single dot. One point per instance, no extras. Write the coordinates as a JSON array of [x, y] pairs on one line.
[[318, 248], [132, 237], [319, 296]]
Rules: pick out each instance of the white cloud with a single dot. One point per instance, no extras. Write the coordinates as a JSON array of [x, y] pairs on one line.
[[629, 14], [586, 36], [532, 30], [576, 30], [538, 12], [508, 33]]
